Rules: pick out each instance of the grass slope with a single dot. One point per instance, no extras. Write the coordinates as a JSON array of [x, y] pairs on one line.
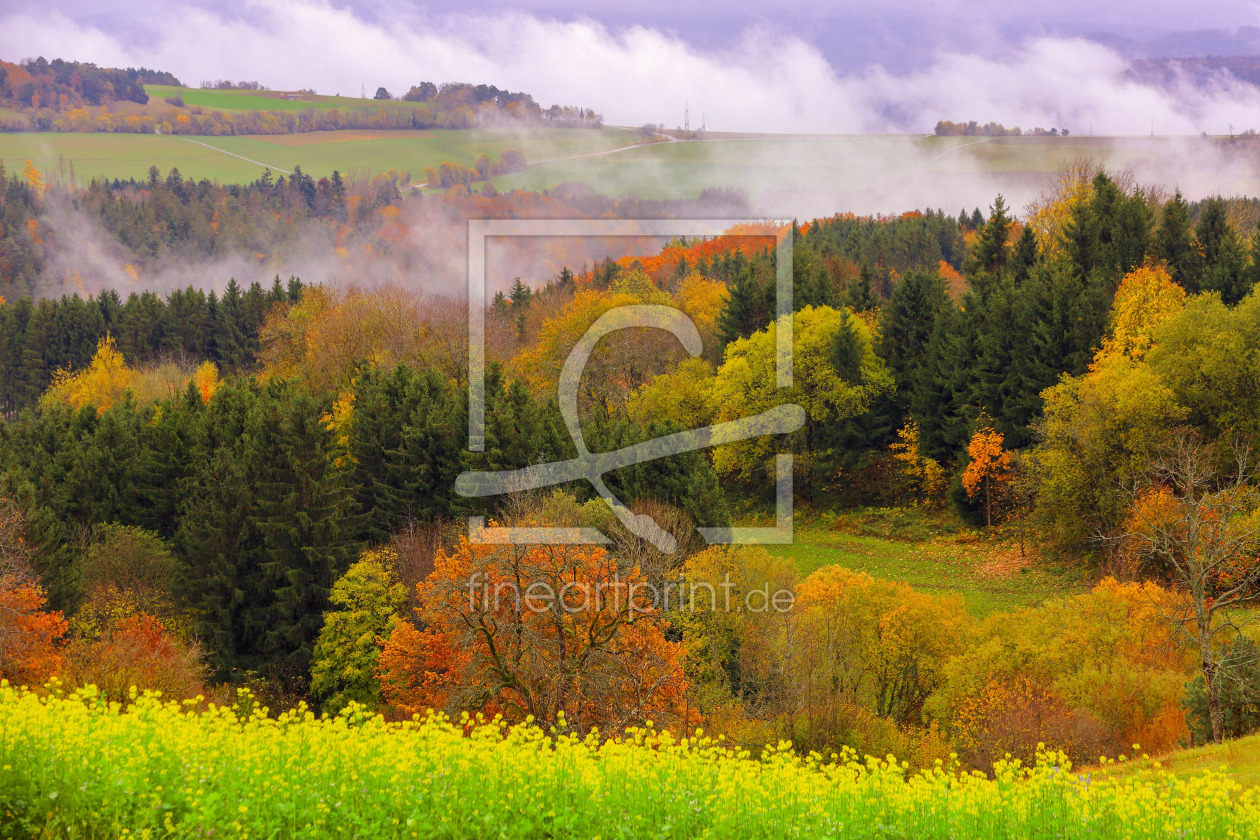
[[931, 553], [1238, 759]]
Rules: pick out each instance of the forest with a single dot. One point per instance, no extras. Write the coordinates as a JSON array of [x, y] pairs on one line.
[[244, 494]]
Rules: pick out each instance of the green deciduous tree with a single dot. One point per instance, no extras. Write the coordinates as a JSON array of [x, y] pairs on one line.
[[367, 600]]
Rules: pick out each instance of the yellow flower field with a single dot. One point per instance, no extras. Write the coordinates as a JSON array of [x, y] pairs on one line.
[[75, 766]]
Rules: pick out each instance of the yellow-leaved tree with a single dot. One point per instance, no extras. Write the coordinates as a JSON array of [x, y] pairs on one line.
[[34, 178], [102, 383], [988, 469], [1145, 298], [924, 475], [836, 375], [1049, 211]]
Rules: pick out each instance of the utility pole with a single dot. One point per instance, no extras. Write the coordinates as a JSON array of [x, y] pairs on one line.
[[686, 117]]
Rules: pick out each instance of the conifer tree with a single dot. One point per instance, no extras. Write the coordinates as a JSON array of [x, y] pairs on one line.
[[1173, 243]]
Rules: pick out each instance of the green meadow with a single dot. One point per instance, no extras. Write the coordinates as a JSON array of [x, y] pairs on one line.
[[268, 100], [239, 159], [932, 553]]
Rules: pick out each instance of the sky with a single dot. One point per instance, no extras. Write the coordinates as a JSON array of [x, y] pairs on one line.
[[803, 66]]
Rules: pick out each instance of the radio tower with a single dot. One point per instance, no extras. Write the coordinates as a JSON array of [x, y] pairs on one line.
[[686, 117]]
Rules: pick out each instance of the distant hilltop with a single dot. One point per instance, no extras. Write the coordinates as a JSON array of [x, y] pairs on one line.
[[1198, 70], [58, 95]]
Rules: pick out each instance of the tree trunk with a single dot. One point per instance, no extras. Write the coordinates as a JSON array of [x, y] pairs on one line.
[[988, 504], [1213, 700], [1021, 535]]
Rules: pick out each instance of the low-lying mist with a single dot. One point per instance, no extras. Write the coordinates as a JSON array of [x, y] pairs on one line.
[[763, 79]]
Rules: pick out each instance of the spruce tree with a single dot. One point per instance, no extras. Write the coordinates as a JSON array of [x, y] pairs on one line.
[[908, 322], [304, 515], [1173, 244], [1224, 267]]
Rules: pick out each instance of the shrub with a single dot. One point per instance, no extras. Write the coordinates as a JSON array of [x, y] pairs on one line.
[[1017, 717], [136, 651]]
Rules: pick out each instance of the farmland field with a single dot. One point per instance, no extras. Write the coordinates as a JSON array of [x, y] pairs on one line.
[[269, 100], [318, 153], [783, 174]]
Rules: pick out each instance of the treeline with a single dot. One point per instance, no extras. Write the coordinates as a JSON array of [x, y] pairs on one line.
[[168, 216], [224, 84], [74, 96], [946, 128], [449, 174], [844, 258], [200, 121], [60, 85], [40, 338], [197, 219], [501, 105]]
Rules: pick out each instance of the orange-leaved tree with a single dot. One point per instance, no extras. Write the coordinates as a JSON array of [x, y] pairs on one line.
[[137, 651], [988, 468], [29, 636], [553, 632], [30, 650]]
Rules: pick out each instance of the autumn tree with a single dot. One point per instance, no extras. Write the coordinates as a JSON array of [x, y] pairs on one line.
[[324, 338], [987, 468], [15, 551], [1145, 298], [622, 361], [547, 631], [30, 635], [1091, 673], [836, 375], [878, 644], [1208, 540], [137, 651], [101, 384], [924, 476]]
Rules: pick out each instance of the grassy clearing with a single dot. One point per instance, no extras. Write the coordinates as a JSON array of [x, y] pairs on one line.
[[155, 770], [932, 552]]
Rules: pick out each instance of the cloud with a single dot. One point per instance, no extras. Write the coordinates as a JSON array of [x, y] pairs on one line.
[[763, 80]]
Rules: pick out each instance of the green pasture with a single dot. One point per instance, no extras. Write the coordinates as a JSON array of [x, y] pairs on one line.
[[318, 153], [267, 100]]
